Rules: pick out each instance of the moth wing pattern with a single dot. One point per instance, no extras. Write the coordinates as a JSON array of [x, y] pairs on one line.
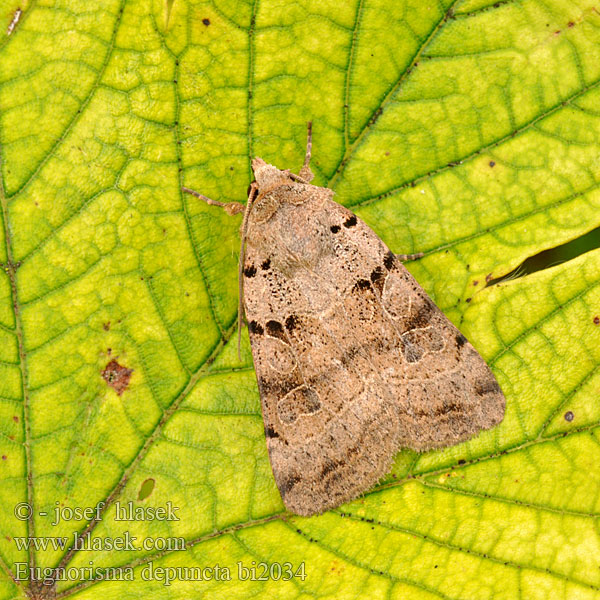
[[353, 359]]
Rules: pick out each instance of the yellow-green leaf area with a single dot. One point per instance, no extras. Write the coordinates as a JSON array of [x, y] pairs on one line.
[[466, 131]]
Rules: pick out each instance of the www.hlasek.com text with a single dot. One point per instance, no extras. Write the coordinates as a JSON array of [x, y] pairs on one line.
[[86, 543]]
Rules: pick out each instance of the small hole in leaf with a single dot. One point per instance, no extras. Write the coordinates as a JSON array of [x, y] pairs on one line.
[[554, 256]]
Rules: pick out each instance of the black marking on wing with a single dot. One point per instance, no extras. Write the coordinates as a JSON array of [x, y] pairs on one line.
[[288, 484], [486, 386], [390, 260], [376, 274], [422, 316], [278, 388], [250, 271], [291, 322], [330, 465], [378, 279], [275, 329], [255, 327], [270, 433], [362, 284]]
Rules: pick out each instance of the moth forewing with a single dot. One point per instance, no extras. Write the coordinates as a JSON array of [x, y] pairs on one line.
[[353, 359]]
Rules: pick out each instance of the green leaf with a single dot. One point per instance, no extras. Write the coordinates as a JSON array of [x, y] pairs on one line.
[[466, 130]]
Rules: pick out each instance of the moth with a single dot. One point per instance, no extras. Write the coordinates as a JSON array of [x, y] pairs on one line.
[[353, 359]]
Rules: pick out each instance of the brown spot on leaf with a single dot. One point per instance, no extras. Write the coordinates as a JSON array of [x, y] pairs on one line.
[[596, 320], [569, 416], [106, 326], [492, 164], [117, 376], [16, 419], [206, 22]]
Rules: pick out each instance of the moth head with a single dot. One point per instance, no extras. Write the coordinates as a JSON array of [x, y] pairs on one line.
[[266, 175]]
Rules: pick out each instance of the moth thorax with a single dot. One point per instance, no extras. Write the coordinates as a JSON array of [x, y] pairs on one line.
[[265, 206], [302, 242]]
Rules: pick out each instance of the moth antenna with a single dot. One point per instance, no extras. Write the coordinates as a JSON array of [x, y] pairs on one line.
[[409, 257], [305, 172], [308, 145], [251, 197], [232, 208]]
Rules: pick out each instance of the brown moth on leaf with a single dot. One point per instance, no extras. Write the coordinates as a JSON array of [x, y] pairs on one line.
[[354, 361]]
